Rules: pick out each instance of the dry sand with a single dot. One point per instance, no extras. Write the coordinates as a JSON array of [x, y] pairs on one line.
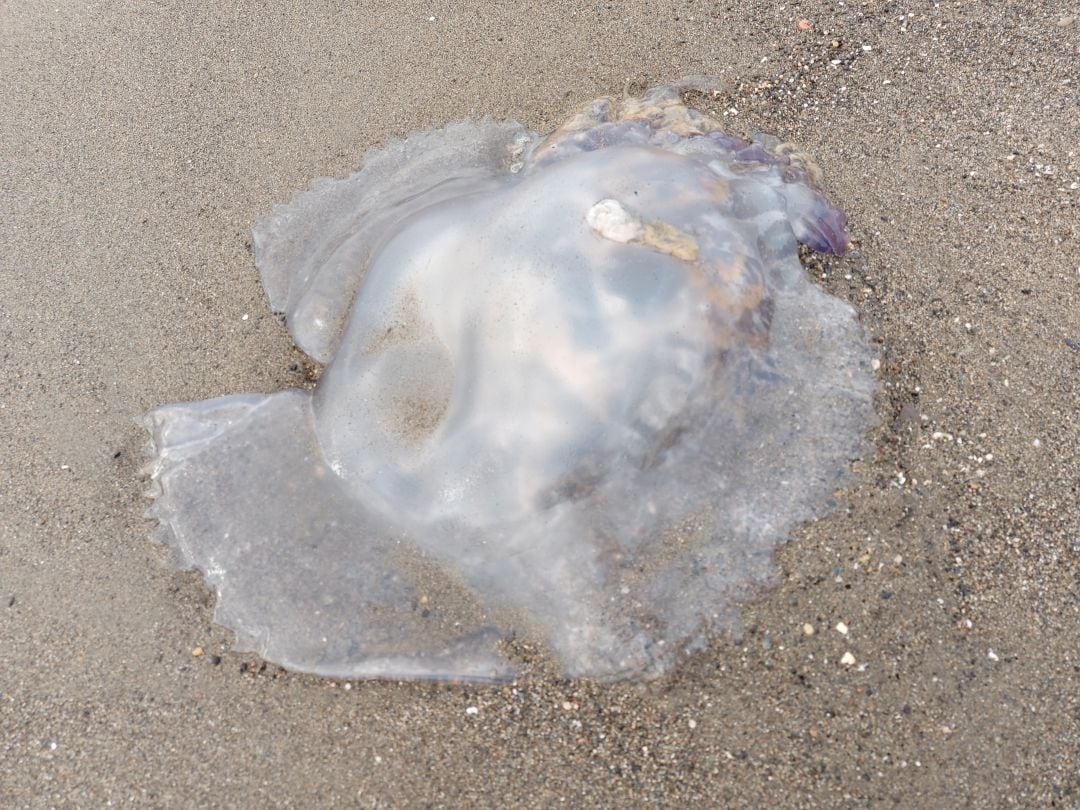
[[139, 142]]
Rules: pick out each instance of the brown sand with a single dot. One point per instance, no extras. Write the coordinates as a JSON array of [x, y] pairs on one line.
[[140, 141]]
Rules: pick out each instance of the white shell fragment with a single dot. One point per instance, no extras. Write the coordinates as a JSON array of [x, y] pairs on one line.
[[611, 221], [577, 389]]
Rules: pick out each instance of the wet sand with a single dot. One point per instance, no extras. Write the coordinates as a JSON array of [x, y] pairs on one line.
[[139, 144]]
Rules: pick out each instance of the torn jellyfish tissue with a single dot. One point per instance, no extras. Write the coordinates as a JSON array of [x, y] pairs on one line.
[[578, 388]]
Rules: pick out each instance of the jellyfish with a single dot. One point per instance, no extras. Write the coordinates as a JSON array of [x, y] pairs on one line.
[[577, 389]]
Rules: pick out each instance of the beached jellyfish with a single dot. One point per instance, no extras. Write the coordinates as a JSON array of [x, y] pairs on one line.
[[577, 389]]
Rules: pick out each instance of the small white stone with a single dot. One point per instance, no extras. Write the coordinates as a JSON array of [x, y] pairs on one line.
[[991, 655], [692, 723], [841, 628], [847, 659], [472, 710]]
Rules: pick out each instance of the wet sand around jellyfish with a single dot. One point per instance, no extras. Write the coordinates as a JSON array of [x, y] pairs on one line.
[[577, 386]]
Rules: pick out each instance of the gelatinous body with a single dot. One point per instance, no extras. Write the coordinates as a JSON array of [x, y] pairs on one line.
[[578, 388]]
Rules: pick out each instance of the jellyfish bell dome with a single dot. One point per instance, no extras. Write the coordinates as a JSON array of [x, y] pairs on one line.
[[577, 387]]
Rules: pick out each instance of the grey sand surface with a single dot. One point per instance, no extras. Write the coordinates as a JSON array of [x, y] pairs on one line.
[[139, 143]]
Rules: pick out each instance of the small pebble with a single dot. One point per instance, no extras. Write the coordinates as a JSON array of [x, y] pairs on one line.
[[991, 655], [848, 659], [472, 710], [805, 25], [197, 652], [808, 629], [841, 628]]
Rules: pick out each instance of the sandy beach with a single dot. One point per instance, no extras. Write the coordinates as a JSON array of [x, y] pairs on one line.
[[920, 646]]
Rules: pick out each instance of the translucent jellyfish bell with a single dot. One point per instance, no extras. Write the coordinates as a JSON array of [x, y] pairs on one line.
[[577, 388]]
